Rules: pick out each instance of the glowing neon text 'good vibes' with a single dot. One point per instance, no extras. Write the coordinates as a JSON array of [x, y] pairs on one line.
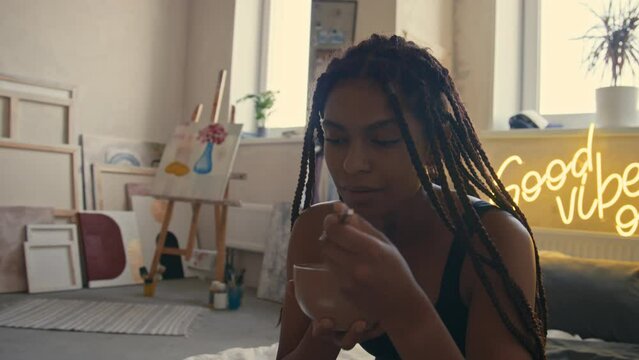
[[582, 166]]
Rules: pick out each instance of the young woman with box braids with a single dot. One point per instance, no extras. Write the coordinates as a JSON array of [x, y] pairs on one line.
[[445, 274]]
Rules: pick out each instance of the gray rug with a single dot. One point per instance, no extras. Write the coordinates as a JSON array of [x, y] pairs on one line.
[[100, 316]]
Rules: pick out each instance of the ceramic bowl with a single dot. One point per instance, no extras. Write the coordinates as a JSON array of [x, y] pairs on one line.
[[319, 296]]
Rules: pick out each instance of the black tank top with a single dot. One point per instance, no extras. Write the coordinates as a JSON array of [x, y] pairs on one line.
[[449, 306]]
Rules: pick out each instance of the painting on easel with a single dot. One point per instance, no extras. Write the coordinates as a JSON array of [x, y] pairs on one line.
[[197, 161]]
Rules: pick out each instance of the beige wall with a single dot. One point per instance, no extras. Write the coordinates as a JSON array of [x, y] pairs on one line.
[[487, 66], [209, 50], [474, 34], [374, 16], [126, 58], [428, 23], [507, 63]]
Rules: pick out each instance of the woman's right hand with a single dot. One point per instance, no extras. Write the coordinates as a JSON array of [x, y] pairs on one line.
[[358, 332]]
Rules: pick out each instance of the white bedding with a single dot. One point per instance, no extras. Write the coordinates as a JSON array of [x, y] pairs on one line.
[[562, 335], [357, 353], [269, 353]]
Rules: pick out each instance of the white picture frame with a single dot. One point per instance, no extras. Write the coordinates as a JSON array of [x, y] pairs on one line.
[[52, 258], [109, 182]]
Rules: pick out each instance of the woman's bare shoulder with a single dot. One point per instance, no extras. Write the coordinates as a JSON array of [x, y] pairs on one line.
[[515, 247]]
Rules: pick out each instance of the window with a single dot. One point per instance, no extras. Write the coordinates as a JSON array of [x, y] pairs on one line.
[[285, 60], [556, 82]]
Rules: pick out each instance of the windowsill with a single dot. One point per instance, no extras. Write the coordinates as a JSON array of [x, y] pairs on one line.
[[275, 136], [297, 139], [571, 125], [559, 132]]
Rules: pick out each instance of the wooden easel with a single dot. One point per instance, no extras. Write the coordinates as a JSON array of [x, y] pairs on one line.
[[221, 210]]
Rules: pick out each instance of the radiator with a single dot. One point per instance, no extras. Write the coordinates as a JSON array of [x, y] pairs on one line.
[[247, 226], [588, 244]]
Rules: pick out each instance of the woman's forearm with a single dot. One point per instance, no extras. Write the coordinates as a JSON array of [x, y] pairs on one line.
[[418, 332]]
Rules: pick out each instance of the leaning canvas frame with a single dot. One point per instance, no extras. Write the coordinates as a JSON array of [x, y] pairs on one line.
[[72, 152], [96, 239], [101, 170], [13, 222], [116, 152], [44, 246], [19, 90]]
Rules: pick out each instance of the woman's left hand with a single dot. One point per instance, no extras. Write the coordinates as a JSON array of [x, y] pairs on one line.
[[372, 273]]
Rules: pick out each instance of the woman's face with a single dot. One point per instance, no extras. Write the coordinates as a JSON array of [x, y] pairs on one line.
[[364, 149]]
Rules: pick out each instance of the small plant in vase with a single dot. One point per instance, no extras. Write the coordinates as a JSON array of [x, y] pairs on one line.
[[615, 48], [263, 101]]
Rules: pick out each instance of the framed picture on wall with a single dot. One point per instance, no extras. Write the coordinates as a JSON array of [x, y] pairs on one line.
[[333, 24], [332, 29]]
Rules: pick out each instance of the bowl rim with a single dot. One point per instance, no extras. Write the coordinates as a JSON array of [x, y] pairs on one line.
[[311, 266]]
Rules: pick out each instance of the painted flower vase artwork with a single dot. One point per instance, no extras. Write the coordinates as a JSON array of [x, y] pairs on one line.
[[197, 161], [210, 135]]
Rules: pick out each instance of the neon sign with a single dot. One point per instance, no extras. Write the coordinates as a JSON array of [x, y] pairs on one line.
[[583, 166]]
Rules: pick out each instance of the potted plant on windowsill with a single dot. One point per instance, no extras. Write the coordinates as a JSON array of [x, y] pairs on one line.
[[263, 102], [615, 48]]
